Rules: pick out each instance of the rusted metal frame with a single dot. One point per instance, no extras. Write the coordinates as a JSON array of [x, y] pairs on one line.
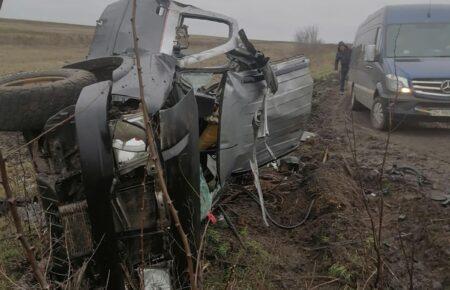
[[29, 250], [154, 156]]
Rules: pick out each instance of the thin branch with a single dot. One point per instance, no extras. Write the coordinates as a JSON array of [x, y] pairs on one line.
[[368, 279], [2, 273], [375, 235], [326, 283], [409, 260], [128, 277], [19, 228], [199, 254], [313, 276], [392, 106], [153, 153]]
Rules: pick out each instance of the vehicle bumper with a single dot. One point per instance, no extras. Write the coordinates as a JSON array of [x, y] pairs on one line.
[[418, 108]]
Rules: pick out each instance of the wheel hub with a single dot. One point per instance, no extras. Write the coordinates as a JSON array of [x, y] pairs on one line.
[[378, 113]]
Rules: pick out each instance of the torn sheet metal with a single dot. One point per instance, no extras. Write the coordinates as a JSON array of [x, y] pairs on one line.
[[183, 170], [157, 22], [158, 71], [255, 170], [113, 35], [287, 113]]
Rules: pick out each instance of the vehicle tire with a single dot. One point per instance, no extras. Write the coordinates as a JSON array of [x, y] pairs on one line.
[[379, 115], [29, 99], [355, 105]]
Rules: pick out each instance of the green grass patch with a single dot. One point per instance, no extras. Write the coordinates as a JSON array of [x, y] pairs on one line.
[[235, 266]]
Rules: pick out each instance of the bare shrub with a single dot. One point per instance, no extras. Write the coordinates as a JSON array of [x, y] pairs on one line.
[[308, 35]]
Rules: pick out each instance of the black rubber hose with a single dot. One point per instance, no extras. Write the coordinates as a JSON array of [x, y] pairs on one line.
[[281, 226]]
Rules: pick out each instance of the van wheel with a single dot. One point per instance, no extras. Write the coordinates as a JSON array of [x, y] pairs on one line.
[[354, 104], [29, 99], [379, 115]]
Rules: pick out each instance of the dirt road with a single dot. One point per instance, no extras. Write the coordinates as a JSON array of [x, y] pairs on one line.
[[411, 209], [423, 146], [335, 247]]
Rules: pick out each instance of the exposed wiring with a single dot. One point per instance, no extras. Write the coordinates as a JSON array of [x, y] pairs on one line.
[[231, 225], [421, 179], [279, 225]]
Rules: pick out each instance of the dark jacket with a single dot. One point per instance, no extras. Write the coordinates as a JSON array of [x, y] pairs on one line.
[[344, 58]]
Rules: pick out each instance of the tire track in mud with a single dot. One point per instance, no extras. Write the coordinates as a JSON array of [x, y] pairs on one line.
[[424, 146], [335, 241]]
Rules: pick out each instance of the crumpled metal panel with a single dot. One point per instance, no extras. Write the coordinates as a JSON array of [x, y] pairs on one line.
[[182, 171], [113, 34], [158, 71], [155, 28], [287, 113], [97, 164]]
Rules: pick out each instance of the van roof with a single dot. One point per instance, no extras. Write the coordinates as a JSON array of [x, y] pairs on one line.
[[409, 13], [417, 13]]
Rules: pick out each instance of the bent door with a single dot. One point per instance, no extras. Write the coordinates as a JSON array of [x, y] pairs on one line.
[[287, 112]]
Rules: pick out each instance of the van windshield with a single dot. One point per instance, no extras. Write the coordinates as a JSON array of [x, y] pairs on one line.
[[418, 40]]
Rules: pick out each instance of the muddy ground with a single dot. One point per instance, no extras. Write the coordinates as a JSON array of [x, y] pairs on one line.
[[334, 249]]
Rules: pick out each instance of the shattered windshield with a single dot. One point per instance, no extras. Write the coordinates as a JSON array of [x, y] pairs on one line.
[[418, 40]]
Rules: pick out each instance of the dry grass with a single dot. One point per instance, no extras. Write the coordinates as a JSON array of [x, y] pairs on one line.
[[16, 59], [29, 45], [32, 33]]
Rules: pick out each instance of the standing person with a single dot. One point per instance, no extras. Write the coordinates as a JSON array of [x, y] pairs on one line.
[[343, 56]]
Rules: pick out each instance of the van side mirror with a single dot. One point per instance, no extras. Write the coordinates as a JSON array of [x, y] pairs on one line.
[[370, 53]]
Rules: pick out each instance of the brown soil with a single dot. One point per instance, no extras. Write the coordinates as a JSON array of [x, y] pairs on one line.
[[334, 248], [336, 242], [335, 245]]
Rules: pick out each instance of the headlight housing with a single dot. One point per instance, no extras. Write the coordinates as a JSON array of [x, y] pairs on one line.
[[397, 84]]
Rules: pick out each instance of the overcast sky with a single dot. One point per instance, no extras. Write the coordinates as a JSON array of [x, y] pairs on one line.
[[263, 19]]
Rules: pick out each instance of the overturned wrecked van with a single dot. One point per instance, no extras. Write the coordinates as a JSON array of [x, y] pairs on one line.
[[211, 121]]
